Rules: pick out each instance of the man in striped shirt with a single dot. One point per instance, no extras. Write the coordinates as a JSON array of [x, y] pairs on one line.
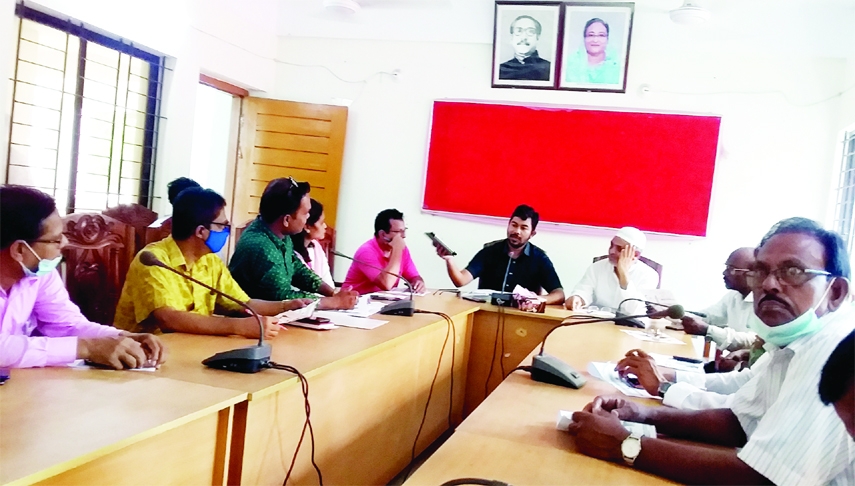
[[784, 433]]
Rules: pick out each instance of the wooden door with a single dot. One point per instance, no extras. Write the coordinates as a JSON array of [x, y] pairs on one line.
[[286, 138]]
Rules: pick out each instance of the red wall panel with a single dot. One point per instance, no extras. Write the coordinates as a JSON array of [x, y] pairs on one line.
[[590, 167]]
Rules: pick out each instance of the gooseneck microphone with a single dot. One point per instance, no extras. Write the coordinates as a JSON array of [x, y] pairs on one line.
[[399, 308], [251, 359], [549, 369], [647, 302]]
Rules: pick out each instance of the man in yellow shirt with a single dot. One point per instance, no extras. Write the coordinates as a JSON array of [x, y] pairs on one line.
[[156, 299]]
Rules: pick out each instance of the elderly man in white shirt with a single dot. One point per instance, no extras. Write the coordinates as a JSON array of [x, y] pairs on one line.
[[778, 428], [726, 321], [621, 276]]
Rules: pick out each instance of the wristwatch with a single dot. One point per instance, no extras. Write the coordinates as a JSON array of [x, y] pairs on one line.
[[631, 448], [663, 388]]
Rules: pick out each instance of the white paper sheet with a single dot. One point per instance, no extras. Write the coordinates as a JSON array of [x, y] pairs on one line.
[[345, 320], [293, 315], [606, 372], [661, 338]]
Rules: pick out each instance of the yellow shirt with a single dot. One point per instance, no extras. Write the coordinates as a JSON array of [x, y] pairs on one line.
[[149, 288]]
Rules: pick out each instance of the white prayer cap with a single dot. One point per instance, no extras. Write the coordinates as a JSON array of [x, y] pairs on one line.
[[633, 236]]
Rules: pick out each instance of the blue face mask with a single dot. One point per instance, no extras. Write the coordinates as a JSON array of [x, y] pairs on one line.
[[45, 266], [784, 334], [217, 240]]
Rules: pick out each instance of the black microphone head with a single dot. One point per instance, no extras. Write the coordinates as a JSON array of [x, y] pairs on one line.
[[148, 259], [676, 312]]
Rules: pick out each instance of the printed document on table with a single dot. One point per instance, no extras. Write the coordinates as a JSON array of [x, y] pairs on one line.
[[661, 338], [345, 320], [606, 372]]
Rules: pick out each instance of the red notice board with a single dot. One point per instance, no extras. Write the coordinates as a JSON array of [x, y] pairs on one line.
[[653, 171]]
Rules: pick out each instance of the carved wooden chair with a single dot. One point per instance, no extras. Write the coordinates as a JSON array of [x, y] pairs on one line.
[[95, 262], [650, 263], [136, 215], [157, 230]]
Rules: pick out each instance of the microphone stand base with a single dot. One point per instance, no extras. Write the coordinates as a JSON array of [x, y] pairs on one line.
[[399, 308], [549, 369], [251, 359]]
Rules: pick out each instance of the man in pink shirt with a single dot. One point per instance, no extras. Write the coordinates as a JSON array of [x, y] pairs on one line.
[[39, 325], [387, 251]]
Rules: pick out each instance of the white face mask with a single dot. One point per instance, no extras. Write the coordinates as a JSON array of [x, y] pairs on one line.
[[45, 266], [784, 334]]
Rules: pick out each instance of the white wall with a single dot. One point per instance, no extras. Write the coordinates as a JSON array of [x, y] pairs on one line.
[[232, 41], [774, 161]]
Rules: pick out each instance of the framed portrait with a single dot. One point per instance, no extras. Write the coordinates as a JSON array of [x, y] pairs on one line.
[[525, 44], [595, 46]]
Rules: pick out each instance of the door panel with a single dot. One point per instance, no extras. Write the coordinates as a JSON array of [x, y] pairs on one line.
[[286, 138]]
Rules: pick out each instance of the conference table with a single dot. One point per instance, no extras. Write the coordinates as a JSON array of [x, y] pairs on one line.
[[512, 437], [368, 390], [74, 426]]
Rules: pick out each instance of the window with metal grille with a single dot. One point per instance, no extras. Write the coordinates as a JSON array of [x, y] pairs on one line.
[[843, 214], [84, 115]]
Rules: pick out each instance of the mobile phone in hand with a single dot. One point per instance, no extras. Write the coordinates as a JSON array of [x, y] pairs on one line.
[[436, 241]]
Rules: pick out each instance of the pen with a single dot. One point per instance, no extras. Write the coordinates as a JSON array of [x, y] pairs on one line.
[[688, 360]]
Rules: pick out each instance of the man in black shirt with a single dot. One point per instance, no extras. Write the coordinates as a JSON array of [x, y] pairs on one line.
[[526, 64], [504, 264]]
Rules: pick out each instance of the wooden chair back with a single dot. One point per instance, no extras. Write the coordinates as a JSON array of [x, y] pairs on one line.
[[95, 262], [136, 215], [650, 263], [157, 231]]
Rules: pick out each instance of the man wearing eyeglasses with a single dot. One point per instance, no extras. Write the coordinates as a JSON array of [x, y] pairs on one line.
[[265, 264], [776, 424], [526, 64], [155, 299], [381, 257], [726, 323], [39, 325]]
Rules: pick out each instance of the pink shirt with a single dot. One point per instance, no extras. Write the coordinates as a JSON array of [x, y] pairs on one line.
[[361, 277], [41, 305]]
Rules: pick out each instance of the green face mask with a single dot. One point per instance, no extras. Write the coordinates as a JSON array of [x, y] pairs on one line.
[[784, 334]]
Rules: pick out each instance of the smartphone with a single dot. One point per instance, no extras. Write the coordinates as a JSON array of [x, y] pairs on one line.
[[439, 243], [314, 320]]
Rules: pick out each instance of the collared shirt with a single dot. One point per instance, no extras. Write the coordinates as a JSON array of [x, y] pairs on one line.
[[704, 391], [150, 288], [793, 438], [267, 267], [600, 286], [361, 277], [729, 318], [495, 270], [39, 325], [319, 264]]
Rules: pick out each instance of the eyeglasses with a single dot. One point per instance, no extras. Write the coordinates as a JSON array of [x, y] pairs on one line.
[[402, 231], [734, 270], [529, 32], [793, 276], [294, 184], [599, 35], [57, 241]]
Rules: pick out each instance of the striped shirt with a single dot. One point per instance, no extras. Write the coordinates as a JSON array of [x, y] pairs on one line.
[[729, 318], [793, 438], [704, 391]]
